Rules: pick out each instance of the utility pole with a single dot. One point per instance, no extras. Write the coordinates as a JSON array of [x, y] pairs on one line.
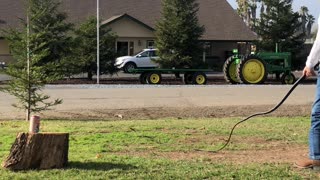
[[98, 46], [28, 64]]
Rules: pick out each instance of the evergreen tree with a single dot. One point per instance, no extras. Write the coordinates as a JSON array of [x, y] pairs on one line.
[[35, 49], [86, 48], [178, 33], [280, 25], [47, 19]]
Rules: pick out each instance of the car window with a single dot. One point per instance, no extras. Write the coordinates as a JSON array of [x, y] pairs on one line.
[[144, 54], [138, 53], [153, 53]]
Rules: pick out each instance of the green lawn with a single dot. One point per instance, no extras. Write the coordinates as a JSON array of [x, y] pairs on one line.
[[146, 149]]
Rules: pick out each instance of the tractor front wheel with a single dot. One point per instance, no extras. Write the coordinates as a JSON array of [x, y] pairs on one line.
[[288, 78]]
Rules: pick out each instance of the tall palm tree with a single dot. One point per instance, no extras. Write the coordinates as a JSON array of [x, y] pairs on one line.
[[262, 8], [244, 11], [310, 19], [253, 4], [247, 9], [304, 13]]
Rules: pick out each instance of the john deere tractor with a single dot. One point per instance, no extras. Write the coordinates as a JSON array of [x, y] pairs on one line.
[[255, 67]]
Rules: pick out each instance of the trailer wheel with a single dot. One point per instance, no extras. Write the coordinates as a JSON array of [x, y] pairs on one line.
[[230, 71], [154, 78], [199, 78], [187, 78], [143, 78], [252, 70], [288, 78]]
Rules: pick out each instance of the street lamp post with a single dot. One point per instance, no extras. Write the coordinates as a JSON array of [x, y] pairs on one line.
[[28, 64], [98, 41]]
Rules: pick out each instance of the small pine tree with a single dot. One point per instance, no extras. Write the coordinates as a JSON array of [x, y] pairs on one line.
[[178, 33], [86, 49], [31, 48]]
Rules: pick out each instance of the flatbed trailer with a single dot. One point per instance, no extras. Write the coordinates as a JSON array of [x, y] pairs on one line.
[[190, 76]]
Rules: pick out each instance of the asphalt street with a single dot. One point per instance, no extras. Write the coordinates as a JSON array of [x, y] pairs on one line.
[[93, 97]]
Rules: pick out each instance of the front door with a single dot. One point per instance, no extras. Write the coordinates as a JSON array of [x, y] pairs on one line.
[[122, 48]]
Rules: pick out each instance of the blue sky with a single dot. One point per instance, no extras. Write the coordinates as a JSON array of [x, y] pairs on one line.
[[313, 6]]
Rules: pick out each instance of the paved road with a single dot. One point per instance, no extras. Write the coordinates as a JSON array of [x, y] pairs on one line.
[[77, 97]]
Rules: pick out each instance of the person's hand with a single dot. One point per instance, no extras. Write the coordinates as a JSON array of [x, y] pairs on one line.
[[308, 72]]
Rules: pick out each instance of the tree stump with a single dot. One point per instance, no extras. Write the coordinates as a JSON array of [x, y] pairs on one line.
[[38, 151]]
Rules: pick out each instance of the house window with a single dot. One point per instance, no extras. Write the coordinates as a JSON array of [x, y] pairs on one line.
[[150, 43]]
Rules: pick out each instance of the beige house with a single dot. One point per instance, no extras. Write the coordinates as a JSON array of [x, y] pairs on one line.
[[134, 23], [133, 34]]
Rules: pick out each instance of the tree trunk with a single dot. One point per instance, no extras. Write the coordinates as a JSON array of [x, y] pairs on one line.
[[38, 151], [27, 114], [90, 75]]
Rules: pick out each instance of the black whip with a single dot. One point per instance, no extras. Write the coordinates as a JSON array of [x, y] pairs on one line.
[[260, 113]]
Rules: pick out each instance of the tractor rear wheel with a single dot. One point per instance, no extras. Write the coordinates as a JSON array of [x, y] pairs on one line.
[[252, 70], [230, 71], [288, 78]]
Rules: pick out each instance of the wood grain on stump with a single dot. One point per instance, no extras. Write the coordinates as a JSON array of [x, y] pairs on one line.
[[38, 151]]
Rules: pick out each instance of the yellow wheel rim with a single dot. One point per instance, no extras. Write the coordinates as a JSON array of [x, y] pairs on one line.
[[155, 78], [253, 71], [233, 71], [288, 79], [200, 79]]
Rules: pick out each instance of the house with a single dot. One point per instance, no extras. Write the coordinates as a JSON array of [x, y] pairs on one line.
[[134, 23]]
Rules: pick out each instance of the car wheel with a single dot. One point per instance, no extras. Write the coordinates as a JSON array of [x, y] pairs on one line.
[[129, 67]]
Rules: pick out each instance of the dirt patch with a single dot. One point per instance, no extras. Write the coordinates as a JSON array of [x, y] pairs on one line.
[[177, 113], [279, 154], [257, 150]]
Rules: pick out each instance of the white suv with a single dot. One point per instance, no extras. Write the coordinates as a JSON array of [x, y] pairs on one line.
[[142, 59]]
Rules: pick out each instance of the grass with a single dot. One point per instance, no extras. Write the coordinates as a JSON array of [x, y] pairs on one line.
[[146, 149], [2, 71]]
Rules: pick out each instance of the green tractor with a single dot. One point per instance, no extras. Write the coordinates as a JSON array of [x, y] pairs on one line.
[[255, 67]]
